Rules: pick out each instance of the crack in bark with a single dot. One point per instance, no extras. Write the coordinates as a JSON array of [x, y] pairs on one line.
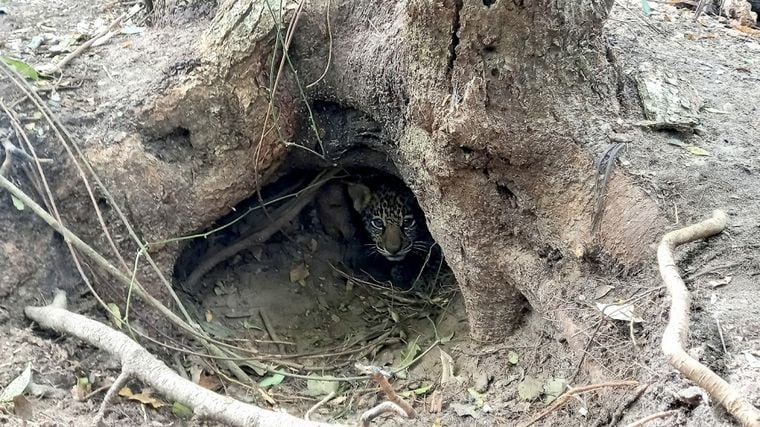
[[455, 24]]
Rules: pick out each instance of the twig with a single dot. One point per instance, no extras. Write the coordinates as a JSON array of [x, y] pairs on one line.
[[572, 392], [674, 337], [720, 334], [627, 404], [138, 363], [319, 404], [270, 330], [652, 417]]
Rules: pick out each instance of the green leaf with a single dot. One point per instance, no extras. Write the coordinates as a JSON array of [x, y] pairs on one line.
[[409, 353], [420, 391], [17, 386], [181, 411], [513, 357], [18, 204], [697, 151], [115, 316], [272, 380], [23, 68]]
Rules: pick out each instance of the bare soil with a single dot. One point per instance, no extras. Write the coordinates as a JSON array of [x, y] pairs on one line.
[[325, 311]]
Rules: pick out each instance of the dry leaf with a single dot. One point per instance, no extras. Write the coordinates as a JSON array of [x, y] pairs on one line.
[[603, 290], [298, 273], [697, 151], [718, 283], [145, 397], [210, 382], [22, 408], [619, 312]]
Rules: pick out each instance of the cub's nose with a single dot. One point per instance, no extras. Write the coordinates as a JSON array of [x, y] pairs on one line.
[[392, 238]]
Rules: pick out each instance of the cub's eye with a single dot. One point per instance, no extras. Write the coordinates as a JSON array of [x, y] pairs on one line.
[[408, 221], [377, 223]]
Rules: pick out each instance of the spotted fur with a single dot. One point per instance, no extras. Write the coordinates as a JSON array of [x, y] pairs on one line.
[[390, 217]]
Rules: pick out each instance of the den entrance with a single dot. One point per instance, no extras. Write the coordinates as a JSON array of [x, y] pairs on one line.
[[323, 270]]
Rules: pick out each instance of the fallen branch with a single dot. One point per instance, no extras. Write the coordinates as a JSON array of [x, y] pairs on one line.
[[136, 362], [674, 337], [572, 392]]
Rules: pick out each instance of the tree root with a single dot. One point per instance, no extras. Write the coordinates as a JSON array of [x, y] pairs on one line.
[[677, 330], [138, 363]]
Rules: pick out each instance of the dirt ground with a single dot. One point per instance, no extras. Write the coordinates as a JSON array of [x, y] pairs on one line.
[[491, 383]]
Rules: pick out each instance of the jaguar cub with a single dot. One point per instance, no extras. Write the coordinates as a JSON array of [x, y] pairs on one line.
[[392, 219]]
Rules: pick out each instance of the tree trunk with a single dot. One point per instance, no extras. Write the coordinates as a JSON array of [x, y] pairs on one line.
[[491, 111]]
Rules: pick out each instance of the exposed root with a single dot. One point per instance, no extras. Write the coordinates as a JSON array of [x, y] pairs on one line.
[[394, 403], [138, 363], [675, 334]]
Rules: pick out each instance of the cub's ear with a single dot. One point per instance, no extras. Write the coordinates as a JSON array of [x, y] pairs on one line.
[[360, 196]]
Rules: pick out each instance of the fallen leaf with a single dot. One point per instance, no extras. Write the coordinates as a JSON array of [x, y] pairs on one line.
[[619, 312], [272, 380], [697, 151], [21, 67], [18, 204], [115, 315], [464, 410], [143, 397], [299, 272], [181, 411], [407, 356], [603, 290], [419, 391], [22, 408], [447, 367], [210, 382], [718, 283], [530, 388], [18, 385]]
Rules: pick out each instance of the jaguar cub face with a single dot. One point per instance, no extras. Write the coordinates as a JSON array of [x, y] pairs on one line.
[[389, 217]]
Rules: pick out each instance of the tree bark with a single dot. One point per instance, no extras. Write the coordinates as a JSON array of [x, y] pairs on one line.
[[491, 111]]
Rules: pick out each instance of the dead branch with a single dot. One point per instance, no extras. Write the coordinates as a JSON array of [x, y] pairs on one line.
[[674, 337], [572, 392], [652, 417], [136, 362]]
